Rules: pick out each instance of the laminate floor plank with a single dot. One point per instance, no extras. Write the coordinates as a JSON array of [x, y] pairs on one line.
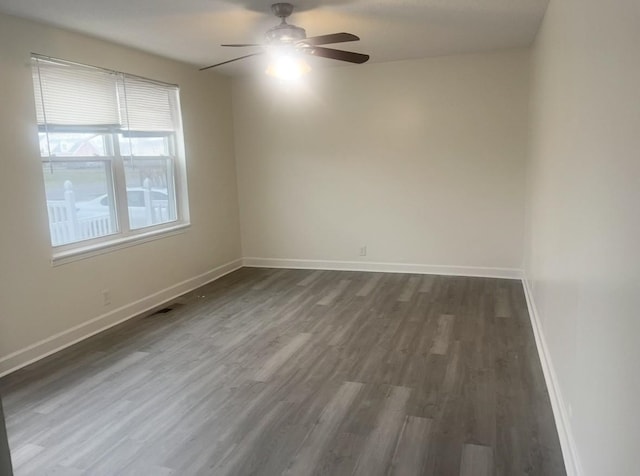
[[443, 334], [25, 453], [279, 358], [426, 283], [370, 284], [409, 289], [276, 371], [503, 308], [333, 294], [413, 447], [378, 450], [330, 419], [310, 278], [476, 461]]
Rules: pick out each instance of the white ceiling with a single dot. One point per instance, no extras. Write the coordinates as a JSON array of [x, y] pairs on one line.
[[192, 30]]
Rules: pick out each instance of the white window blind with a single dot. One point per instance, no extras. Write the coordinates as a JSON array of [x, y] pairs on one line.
[[72, 95], [147, 106]]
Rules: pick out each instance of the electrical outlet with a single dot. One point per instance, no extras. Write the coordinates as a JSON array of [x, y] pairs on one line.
[[106, 297], [363, 251]]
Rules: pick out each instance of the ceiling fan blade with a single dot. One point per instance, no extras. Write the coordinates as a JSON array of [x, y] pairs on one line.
[[340, 55], [329, 39], [231, 61], [242, 45]]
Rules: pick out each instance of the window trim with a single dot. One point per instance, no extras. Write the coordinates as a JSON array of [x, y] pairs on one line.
[[115, 162], [95, 249]]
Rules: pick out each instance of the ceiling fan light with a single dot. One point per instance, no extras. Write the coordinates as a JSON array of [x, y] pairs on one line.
[[288, 67]]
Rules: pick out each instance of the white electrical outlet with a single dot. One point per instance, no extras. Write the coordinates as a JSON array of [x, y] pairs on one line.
[[363, 251], [106, 297]]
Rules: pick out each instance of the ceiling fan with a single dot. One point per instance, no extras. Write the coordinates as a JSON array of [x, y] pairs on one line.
[[287, 39]]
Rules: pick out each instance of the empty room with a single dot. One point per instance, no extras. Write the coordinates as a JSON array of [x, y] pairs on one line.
[[391, 237]]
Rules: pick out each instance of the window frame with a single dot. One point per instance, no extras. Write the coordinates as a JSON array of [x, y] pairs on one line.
[[115, 164]]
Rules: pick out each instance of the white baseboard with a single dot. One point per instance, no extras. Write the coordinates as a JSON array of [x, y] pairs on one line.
[[376, 267], [560, 414], [57, 342]]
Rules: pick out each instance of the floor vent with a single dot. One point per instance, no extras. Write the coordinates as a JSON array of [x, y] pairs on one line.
[[165, 310]]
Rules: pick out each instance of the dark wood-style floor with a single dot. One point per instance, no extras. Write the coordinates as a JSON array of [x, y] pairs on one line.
[[297, 372]]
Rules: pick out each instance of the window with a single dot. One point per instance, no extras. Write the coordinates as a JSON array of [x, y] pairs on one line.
[[109, 145]]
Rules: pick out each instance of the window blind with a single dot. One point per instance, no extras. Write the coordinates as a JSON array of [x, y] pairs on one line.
[[74, 95], [70, 94], [147, 106]]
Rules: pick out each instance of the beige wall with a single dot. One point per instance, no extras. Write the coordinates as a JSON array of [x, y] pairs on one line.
[[583, 264], [38, 301], [421, 161]]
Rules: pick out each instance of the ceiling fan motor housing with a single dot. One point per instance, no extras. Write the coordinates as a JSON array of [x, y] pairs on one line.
[[284, 32]]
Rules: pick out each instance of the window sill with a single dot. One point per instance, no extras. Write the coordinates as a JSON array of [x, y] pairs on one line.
[[84, 252]]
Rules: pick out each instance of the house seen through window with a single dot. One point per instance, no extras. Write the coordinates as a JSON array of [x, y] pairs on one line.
[[109, 151]]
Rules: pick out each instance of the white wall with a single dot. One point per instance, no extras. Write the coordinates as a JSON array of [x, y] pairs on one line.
[[583, 264], [421, 161], [38, 301]]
